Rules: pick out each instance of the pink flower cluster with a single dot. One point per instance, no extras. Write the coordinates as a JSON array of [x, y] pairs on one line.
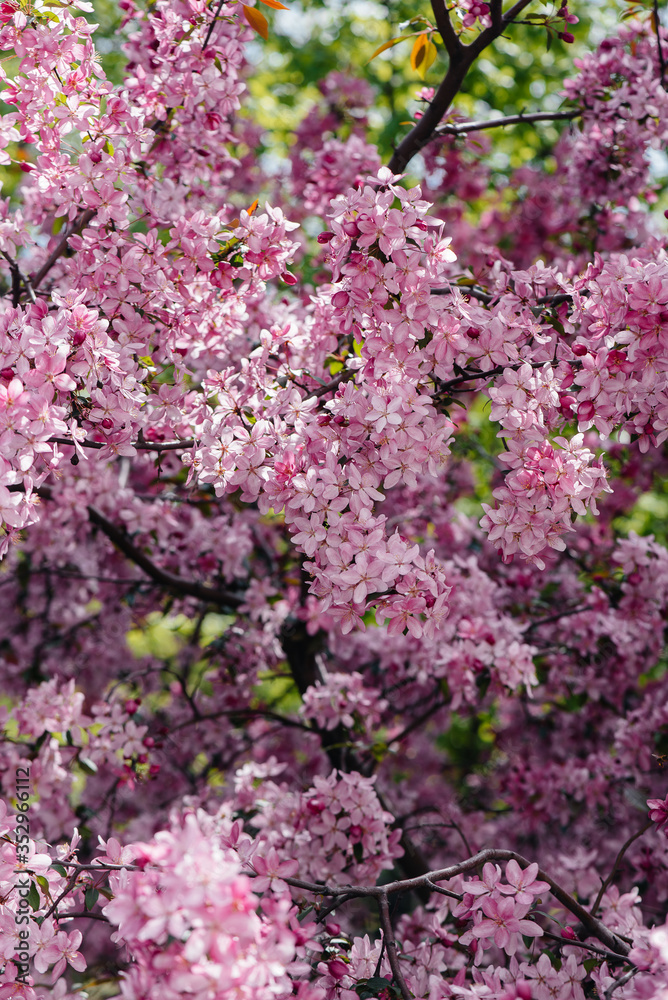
[[343, 699], [192, 923], [337, 828], [500, 908]]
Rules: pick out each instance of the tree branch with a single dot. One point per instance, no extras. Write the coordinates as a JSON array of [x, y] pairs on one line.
[[447, 32], [391, 946], [618, 860], [61, 246], [592, 924], [462, 58], [18, 279], [139, 445], [463, 128], [176, 584]]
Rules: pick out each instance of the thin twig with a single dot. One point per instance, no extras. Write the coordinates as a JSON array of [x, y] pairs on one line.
[[552, 618], [444, 892], [618, 861], [70, 885], [61, 246], [610, 956], [659, 46], [212, 25], [620, 982], [343, 376]]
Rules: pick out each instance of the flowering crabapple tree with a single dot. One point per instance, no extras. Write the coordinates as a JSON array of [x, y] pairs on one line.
[[332, 666]]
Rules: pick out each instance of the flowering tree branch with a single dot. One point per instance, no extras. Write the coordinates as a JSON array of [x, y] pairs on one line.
[[618, 860], [592, 924], [463, 128], [80, 223], [461, 58], [171, 582]]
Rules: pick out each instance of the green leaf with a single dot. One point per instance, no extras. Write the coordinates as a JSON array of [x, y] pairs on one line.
[[43, 883], [88, 765], [33, 896], [91, 897]]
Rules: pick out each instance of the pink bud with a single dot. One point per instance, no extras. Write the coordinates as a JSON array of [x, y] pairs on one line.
[[7, 374], [566, 404], [288, 278], [568, 932], [107, 423], [78, 338], [325, 237], [579, 350], [337, 968], [586, 410]]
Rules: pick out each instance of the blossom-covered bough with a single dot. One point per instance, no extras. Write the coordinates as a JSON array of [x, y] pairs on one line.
[[331, 666]]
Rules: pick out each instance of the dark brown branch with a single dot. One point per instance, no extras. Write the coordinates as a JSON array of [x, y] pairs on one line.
[[237, 714], [609, 955], [213, 24], [463, 128], [496, 10], [18, 279], [343, 376], [61, 246], [171, 582], [552, 618], [139, 445], [391, 946], [554, 299], [445, 28]]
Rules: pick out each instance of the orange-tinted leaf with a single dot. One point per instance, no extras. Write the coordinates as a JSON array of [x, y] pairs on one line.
[[418, 51], [252, 207], [275, 4], [387, 45], [429, 56], [257, 20]]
